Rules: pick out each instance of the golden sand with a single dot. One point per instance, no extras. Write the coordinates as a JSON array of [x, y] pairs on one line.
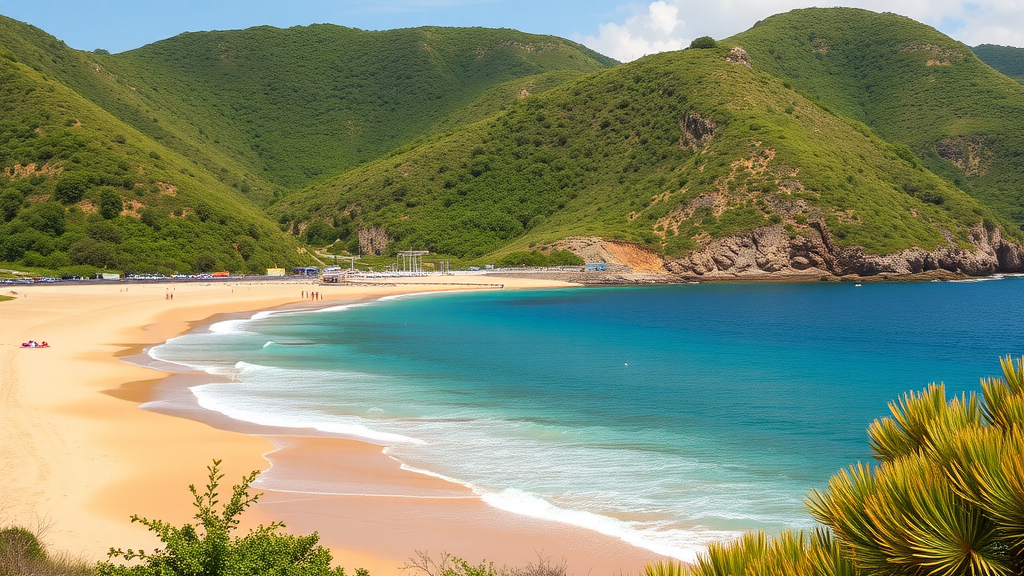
[[81, 461]]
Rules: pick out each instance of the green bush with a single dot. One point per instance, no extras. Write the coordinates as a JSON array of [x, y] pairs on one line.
[[704, 42], [209, 547], [10, 204], [21, 552], [110, 203], [71, 188], [536, 258]]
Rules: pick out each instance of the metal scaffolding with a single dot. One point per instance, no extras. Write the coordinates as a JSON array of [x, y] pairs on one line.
[[410, 261]]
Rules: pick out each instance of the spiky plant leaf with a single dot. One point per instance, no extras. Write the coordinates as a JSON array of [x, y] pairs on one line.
[[827, 556], [1004, 397], [843, 508], [664, 568], [906, 431]]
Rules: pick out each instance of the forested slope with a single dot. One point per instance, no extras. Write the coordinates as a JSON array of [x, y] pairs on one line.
[[80, 190], [673, 151], [912, 85]]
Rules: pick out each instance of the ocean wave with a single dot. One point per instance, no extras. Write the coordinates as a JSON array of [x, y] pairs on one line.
[[284, 418], [675, 543], [680, 544]]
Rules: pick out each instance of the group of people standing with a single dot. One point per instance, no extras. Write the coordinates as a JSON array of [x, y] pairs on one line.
[[312, 295]]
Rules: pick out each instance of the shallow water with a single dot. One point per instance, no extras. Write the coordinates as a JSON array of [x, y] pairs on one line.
[[668, 416]]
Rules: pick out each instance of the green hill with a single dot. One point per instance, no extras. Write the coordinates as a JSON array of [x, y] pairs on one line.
[[1006, 59], [304, 103], [203, 119], [80, 190], [839, 140], [910, 84], [277, 109], [673, 151]]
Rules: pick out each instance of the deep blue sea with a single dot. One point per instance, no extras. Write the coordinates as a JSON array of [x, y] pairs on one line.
[[668, 416]]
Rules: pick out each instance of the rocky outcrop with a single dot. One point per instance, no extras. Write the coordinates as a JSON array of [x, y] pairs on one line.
[[770, 250], [738, 56], [695, 131], [373, 240], [617, 256], [968, 153]]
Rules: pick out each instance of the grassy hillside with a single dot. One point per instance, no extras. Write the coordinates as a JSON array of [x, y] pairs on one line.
[[1006, 59], [269, 110], [474, 142], [612, 155], [909, 83], [304, 103], [184, 130], [80, 190]]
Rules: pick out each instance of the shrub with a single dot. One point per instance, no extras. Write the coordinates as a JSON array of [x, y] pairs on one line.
[[110, 203], [209, 548], [203, 211], [47, 217], [10, 204], [246, 247], [535, 258], [104, 231], [22, 552], [71, 188], [704, 42], [206, 263], [422, 564], [320, 233], [20, 542], [89, 251]]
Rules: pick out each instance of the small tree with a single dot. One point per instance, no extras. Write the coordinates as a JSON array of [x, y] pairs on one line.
[[110, 203], [209, 548], [10, 204], [206, 262], [703, 42], [70, 188]]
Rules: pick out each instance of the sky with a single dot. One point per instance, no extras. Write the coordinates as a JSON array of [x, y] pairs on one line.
[[623, 30]]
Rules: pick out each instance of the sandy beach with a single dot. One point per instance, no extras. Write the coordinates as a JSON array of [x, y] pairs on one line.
[[81, 461]]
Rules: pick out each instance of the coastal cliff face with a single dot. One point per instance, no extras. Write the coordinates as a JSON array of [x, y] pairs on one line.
[[770, 250]]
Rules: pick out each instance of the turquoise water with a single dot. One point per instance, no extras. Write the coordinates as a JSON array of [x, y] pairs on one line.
[[668, 416]]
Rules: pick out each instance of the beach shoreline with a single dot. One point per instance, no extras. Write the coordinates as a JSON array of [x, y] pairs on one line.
[[86, 461]]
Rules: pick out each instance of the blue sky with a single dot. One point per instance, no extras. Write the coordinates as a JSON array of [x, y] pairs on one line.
[[623, 30]]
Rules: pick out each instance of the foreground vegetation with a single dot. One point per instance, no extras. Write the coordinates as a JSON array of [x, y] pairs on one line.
[[945, 498], [209, 547], [22, 552]]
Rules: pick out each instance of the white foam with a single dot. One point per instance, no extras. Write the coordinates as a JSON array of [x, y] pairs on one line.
[[675, 543], [228, 327], [284, 418], [392, 297], [678, 544]]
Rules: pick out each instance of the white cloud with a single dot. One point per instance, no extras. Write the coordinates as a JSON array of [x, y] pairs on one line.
[[645, 32], [672, 24]]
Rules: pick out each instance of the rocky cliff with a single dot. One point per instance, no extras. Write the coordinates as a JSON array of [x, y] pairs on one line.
[[770, 250]]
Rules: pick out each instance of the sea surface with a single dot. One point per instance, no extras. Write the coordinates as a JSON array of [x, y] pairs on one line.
[[667, 416]]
